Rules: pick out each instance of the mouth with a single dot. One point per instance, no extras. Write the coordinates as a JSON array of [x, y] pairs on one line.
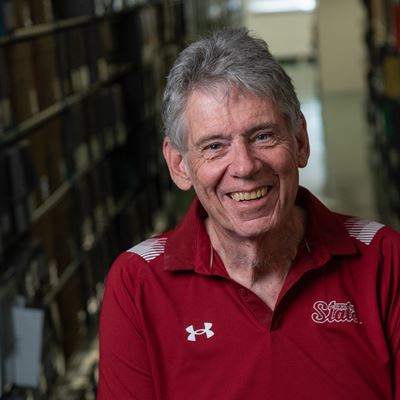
[[253, 195]]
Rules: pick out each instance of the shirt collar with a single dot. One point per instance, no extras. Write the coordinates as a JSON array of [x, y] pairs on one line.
[[189, 246], [325, 229]]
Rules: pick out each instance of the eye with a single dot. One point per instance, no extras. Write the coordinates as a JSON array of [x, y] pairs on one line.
[[263, 136], [213, 146], [214, 150]]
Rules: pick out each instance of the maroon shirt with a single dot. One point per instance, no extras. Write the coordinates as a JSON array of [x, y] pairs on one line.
[[175, 326]]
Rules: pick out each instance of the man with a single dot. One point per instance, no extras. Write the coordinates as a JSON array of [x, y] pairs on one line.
[[260, 292]]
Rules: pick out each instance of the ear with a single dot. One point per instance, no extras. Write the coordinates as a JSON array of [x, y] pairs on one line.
[[176, 165], [303, 144]]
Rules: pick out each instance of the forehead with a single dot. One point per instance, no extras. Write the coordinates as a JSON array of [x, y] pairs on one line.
[[222, 108]]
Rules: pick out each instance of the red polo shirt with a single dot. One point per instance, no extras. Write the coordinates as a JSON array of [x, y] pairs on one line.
[[175, 326]]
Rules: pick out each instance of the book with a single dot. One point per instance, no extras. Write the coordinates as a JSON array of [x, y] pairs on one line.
[[109, 190], [92, 128], [119, 115], [8, 290], [84, 205], [22, 182], [77, 59], [72, 314], [93, 50], [391, 75], [23, 16], [75, 141], [5, 96], [27, 326], [396, 24], [73, 8], [8, 21], [107, 48], [63, 62], [46, 75], [22, 86], [48, 161], [41, 11]]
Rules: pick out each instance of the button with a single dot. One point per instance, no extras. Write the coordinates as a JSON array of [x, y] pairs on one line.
[[243, 291]]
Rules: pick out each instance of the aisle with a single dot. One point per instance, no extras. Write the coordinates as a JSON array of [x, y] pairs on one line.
[[338, 171]]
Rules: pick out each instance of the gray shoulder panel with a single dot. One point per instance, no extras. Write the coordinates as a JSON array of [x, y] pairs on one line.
[[150, 248], [362, 229]]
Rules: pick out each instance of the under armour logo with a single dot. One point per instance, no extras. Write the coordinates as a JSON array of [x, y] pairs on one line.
[[193, 333]]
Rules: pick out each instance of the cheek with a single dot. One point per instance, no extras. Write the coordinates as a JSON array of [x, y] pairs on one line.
[[206, 176], [283, 161], [201, 175]]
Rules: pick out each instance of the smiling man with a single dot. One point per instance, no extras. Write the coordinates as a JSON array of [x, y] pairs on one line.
[[260, 292]]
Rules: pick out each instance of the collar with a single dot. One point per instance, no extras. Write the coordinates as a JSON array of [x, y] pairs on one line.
[[325, 230], [189, 246]]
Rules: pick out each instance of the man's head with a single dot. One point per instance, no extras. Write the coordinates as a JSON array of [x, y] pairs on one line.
[[237, 139], [229, 58]]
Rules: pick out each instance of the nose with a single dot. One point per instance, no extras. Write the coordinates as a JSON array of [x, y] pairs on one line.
[[244, 163]]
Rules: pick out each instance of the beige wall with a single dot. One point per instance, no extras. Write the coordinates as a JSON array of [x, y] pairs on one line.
[[288, 34], [341, 52], [336, 31]]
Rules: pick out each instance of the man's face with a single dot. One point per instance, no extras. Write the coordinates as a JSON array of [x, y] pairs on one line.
[[242, 161]]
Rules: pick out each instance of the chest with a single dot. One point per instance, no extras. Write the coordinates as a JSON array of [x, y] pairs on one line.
[[208, 331]]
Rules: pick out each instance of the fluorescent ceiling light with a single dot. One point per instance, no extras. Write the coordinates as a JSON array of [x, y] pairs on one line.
[[274, 6]]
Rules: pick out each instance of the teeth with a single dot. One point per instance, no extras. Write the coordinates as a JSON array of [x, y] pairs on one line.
[[241, 196]]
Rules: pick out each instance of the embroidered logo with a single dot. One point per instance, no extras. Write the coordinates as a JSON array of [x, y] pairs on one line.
[[334, 312], [206, 331]]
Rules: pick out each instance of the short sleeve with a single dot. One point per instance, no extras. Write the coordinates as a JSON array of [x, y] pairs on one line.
[[391, 255], [124, 371]]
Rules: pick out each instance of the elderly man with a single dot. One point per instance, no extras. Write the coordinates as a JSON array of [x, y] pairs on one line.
[[260, 292]]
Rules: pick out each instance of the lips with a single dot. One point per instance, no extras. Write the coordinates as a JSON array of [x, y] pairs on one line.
[[253, 195]]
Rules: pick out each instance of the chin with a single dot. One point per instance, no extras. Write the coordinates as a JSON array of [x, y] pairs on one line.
[[253, 231]]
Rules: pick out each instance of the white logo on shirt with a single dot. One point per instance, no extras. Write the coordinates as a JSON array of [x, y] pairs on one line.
[[150, 248], [334, 312], [362, 229], [193, 333]]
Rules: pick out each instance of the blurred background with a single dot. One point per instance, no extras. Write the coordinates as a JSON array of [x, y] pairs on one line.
[[81, 172]]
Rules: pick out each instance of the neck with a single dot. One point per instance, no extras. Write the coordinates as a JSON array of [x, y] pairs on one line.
[[256, 258]]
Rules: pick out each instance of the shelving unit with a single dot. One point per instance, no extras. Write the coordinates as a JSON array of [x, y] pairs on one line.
[[81, 171], [383, 104]]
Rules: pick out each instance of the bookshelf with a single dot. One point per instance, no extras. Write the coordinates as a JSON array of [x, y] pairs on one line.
[[81, 171], [382, 38]]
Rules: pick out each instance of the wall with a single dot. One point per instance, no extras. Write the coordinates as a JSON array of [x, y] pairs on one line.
[[341, 52], [296, 42], [342, 63]]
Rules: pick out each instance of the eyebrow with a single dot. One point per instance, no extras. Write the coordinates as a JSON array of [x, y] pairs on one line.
[[218, 136]]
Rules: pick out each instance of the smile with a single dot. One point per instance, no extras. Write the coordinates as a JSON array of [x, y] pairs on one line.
[[245, 196]]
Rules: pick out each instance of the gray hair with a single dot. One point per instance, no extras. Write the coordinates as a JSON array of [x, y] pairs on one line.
[[231, 57]]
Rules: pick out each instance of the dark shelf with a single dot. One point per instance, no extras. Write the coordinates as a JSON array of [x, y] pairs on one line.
[[24, 127], [58, 25]]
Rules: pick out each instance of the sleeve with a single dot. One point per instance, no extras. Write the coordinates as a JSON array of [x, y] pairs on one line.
[[124, 371], [395, 350], [391, 254], [396, 364]]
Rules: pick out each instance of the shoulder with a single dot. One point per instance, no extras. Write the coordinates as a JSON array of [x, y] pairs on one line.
[[363, 230], [369, 232], [149, 249], [378, 243], [132, 266]]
